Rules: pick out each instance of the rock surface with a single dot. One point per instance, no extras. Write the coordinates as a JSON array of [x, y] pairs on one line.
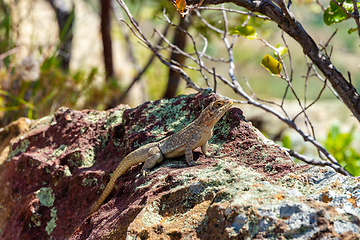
[[247, 188], [10, 134]]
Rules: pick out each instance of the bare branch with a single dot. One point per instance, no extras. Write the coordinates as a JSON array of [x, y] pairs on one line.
[[8, 53], [208, 24], [234, 11], [321, 5], [215, 82], [142, 71], [142, 37], [316, 162], [346, 91], [356, 16]]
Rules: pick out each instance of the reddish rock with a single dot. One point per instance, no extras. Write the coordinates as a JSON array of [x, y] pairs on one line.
[[55, 173]]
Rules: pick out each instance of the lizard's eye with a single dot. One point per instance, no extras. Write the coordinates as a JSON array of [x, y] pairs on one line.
[[218, 104]]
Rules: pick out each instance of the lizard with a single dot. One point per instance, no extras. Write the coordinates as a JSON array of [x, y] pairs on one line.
[[183, 142]]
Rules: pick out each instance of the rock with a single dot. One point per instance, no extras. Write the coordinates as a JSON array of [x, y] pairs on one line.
[[9, 133], [248, 188]]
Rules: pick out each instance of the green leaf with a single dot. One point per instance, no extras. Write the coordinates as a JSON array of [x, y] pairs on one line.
[[286, 142], [19, 99], [339, 145], [347, 4], [335, 14], [351, 30], [271, 64], [331, 17], [246, 31], [335, 131], [280, 50]]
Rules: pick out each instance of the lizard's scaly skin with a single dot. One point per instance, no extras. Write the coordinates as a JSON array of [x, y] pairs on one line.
[[194, 135]]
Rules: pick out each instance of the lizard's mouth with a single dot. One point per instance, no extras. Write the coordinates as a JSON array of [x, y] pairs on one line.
[[227, 104], [212, 114]]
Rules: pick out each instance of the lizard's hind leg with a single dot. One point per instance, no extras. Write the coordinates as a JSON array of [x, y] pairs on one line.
[[154, 156]]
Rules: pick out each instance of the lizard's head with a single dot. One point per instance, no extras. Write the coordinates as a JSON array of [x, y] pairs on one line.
[[214, 111]]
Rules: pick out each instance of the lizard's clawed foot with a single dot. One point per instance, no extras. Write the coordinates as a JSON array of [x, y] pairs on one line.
[[145, 172], [192, 163], [207, 154]]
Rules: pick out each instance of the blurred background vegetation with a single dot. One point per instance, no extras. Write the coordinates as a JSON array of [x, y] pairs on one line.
[[78, 54]]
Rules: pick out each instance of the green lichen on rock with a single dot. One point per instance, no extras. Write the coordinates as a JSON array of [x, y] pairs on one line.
[[46, 196], [104, 139], [57, 152], [52, 223], [89, 182], [67, 172], [179, 117], [79, 158], [89, 157], [75, 158], [83, 130], [95, 116], [36, 220], [22, 147], [114, 118]]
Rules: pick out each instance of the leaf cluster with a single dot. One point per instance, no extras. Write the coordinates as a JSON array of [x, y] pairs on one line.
[[270, 63], [340, 146], [338, 11]]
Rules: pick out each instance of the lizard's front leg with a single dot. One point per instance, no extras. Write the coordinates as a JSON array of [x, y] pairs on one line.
[[204, 149], [154, 156], [189, 155], [189, 147]]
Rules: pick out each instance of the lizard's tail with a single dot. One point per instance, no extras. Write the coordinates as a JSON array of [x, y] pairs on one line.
[[123, 166]]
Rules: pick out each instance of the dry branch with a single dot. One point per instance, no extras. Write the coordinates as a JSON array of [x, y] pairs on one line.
[[347, 92]]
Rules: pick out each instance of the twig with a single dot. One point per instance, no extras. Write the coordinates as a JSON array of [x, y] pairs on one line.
[[317, 75], [129, 46], [233, 11], [215, 82], [226, 24], [313, 102], [291, 72], [316, 162], [349, 76], [198, 55], [356, 16], [8, 53], [321, 5], [330, 38], [208, 24], [141, 72], [238, 89], [142, 38], [286, 11], [215, 59]]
